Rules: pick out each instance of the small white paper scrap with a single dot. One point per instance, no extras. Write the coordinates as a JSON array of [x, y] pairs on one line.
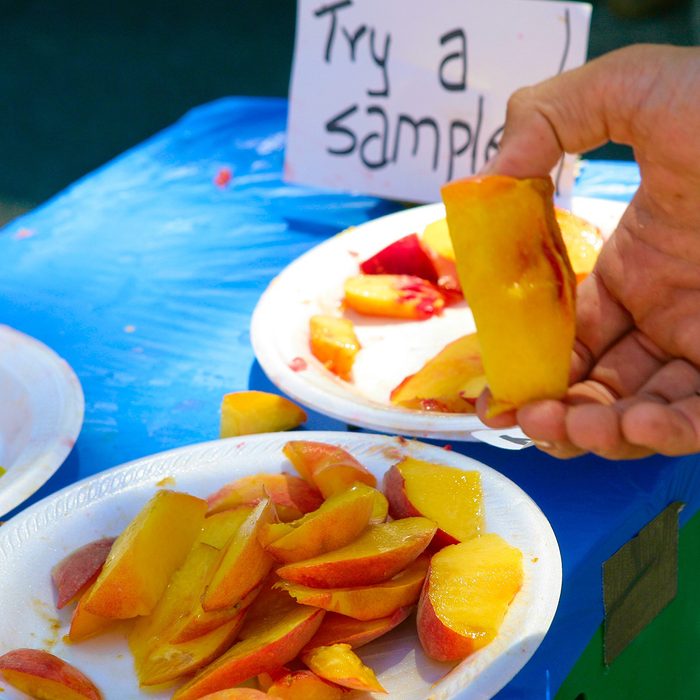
[[396, 97], [508, 439]]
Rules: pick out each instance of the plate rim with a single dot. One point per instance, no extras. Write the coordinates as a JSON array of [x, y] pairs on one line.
[[52, 451], [345, 406], [141, 473]]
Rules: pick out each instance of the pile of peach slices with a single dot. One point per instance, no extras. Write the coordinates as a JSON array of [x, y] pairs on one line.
[[268, 586], [415, 278]]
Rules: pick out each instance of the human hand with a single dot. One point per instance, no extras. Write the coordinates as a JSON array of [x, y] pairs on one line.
[[635, 377]]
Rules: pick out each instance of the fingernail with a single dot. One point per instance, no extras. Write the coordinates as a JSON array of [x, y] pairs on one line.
[[543, 444]]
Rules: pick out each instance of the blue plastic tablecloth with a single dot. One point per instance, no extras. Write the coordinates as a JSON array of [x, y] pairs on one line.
[[144, 275]]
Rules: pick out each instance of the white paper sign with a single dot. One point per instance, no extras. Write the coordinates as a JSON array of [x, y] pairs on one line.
[[395, 97]]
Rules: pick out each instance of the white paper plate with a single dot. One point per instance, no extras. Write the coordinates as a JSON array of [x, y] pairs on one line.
[[391, 349], [39, 537], [41, 413]]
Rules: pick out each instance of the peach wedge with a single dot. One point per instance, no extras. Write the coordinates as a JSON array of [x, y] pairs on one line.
[[393, 296], [333, 343], [339, 520], [292, 496], [366, 602], [329, 468], [77, 571], [339, 664], [449, 496], [449, 382], [40, 674], [379, 553], [299, 685], [145, 555], [517, 278], [249, 412], [466, 596]]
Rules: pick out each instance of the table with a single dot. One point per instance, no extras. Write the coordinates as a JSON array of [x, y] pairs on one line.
[[144, 275]]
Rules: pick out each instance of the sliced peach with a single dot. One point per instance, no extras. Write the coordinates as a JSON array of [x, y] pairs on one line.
[[406, 256], [165, 662], [339, 664], [449, 496], [583, 241], [436, 242], [299, 685], [393, 296], [40, 674], [275, 630], [449, 382], [292, 496], [77, 571], [341, 629], [366, 602], [248, 412], [380, 508], [220, 527], [466, 596], [329, 467], [333, 342], [84, 624], [337, 522], [242, 564], [517, 278], [379, 553], [145, 555]]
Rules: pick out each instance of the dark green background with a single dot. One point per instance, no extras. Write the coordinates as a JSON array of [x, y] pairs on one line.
[[82, 81]]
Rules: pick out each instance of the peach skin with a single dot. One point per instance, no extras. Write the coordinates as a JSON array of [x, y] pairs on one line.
[[40, 674], [237, 694], [406, 256], [333, 343], [436, 242], [77, 571], [243, 563], [249, 412], [292, 496], [341, 629], [516, 276], [302, 685], [466, 596], [339, 520], [379, 553], [145, 555], [330, 468], [394, 296], [366, 602], [583, 241], [339, 664], [449, 496], [449, 382]]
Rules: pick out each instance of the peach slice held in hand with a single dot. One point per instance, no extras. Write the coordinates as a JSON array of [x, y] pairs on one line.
[[40, 674], [449, 496], [466, 596], [292, 496], [250, 412], [145, 555], [339, 664], [583, 241], [338, 521], [379, 553], [329, 468], [517, 278], [393, 296], [450, 382], [333, 342], [366, 602]]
